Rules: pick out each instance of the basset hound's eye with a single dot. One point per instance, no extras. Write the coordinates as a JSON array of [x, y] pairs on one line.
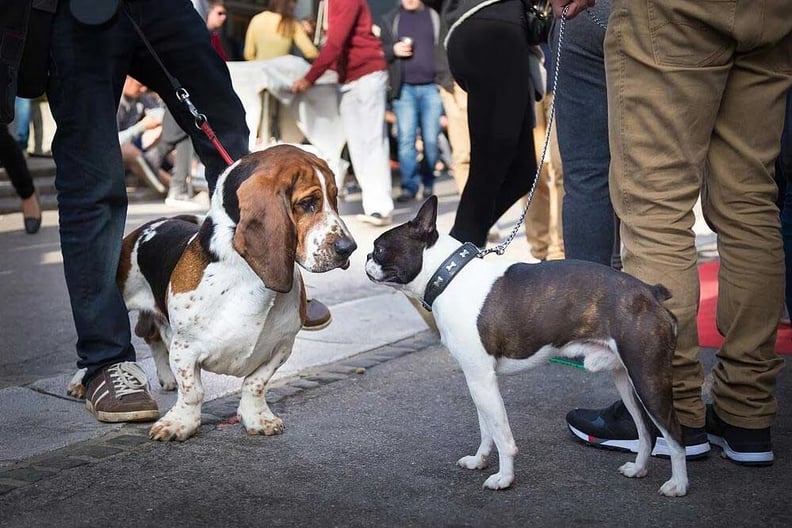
[[309, 205]]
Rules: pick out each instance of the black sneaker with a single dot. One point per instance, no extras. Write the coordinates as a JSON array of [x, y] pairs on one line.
[[119, 393], [613, 428], [747, 447]]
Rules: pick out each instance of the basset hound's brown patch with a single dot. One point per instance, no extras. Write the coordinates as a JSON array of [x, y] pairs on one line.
[[190, 269]]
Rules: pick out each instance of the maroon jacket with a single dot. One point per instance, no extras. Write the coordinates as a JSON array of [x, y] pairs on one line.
[[351, 48]]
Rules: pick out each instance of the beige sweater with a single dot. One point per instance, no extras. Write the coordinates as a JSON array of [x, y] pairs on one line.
[[263, 41]]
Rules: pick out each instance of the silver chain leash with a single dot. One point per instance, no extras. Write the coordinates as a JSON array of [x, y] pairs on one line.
[[500, 249]]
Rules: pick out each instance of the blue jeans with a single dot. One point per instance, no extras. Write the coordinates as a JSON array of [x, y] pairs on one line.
[[418, 105], [22, 120], [87, 71], [582, 121]]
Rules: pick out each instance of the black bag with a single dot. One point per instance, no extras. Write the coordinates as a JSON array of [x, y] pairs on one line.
[[539, 18]]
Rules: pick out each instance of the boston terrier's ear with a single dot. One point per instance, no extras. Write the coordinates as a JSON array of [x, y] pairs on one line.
[[425, 222]]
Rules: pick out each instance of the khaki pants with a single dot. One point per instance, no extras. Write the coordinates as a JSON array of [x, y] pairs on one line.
[[455, 106], [543, 225], [696, 101]]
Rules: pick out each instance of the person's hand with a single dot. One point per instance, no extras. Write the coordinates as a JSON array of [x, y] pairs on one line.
[[575, 7], [403, 49], [300, 85], [151, 121]]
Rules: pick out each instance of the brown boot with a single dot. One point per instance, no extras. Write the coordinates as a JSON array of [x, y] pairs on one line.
[[119, 393], [317, 315]]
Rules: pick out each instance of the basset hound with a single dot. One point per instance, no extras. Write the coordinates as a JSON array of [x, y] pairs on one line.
[[225, 294]]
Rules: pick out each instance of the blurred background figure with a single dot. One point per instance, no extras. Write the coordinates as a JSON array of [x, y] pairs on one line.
[[227, 47], [490, 57], [28, 112], [543, 221], [13, 159], [410, 37], [274, 33], [139, 120]]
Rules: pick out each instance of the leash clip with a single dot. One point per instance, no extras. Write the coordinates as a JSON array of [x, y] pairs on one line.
[[184, 97]]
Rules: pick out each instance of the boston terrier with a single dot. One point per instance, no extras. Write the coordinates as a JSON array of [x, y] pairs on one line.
[[500, 317]]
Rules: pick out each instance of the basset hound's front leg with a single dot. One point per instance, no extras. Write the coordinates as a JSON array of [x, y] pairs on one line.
[[184, 418], [253, 411]]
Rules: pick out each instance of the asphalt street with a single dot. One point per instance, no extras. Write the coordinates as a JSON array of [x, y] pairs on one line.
[[376, 446]]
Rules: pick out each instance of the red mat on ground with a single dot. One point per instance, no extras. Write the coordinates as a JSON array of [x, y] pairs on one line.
[[708, 332]]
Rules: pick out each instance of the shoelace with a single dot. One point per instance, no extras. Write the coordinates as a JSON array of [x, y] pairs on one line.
[[128, 378]]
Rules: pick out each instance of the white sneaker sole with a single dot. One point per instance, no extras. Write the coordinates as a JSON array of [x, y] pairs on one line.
[[660, 448], [759, 459], [119, 417]]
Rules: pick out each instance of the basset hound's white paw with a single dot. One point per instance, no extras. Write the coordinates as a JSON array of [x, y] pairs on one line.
[[174, 426], [263, 425], [75, 388]]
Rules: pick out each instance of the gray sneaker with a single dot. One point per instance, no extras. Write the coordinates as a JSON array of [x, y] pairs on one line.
[[119, 393]]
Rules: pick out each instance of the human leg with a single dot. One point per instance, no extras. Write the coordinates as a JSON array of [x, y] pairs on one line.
[[16, 167], [22, 109], [430, 109], [537, 216], [406, 110], [654, 194], [555, 184], [86, 76], [362, 110], [739, 203], [582, 127], [455, 106], [489, 59]]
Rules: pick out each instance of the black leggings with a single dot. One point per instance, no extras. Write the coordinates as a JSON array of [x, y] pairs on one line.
[[15, 165], [489, 58]]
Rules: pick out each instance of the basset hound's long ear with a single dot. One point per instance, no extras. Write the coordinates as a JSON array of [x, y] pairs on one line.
[[266, 236]]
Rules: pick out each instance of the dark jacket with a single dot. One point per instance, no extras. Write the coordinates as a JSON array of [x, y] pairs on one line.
[[388, 29], [25, 27], [454, 11]]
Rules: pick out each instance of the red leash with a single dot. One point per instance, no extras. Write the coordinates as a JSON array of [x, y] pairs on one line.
[[203, 124]]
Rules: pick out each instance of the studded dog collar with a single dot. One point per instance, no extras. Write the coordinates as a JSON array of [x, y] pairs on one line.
[[447, 271]]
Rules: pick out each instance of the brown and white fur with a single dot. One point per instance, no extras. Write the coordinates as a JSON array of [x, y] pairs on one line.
[[499, 317], [225, 294]]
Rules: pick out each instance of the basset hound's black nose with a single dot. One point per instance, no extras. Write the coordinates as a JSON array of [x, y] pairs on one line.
[[344, 247]]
